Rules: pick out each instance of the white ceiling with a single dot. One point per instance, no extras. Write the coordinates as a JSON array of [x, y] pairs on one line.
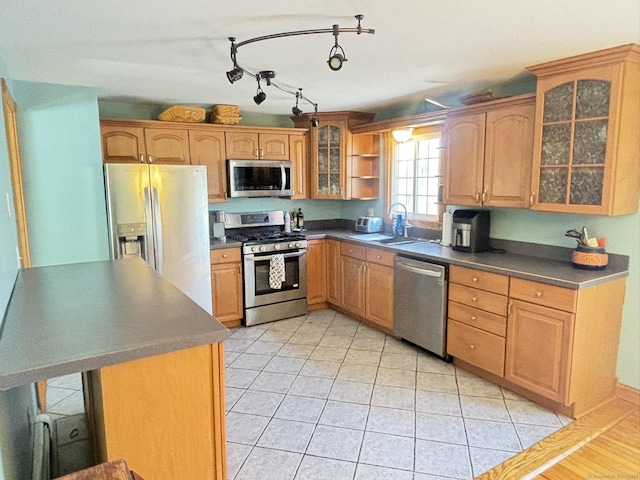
[[177, 52]]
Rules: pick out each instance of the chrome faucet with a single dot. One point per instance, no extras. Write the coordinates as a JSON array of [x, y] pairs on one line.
[[406, 226]]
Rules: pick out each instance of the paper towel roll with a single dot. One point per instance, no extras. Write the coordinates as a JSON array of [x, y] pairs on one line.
[[447, 232]]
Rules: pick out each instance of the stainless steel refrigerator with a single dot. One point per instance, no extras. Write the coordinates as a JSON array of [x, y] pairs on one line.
[[160, 213]]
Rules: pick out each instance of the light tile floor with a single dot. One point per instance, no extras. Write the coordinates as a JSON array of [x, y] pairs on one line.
[[326, 397], [64, 396]]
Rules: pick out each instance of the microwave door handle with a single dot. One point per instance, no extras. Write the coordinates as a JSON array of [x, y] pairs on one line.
[[269, 257], [283, 172], [157, 225]]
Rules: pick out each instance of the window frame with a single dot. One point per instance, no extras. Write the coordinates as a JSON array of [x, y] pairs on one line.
[[421, 221]]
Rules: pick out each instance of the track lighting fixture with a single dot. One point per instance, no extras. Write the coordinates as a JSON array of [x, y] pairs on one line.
[[336, 59], [315, 121], [260, 96], [295, 110], [234, 75], [336, 54]]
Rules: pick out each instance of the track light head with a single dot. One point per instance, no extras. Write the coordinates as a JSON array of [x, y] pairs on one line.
[[295, 110], [315, 122], [259, 97], [336, 54], [235, 74]]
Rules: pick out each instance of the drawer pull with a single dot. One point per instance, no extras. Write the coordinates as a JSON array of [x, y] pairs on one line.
[[472, 346], [538, 294], [474, 299], [378, 257], [473, 317], [474, 279], [225, 255]]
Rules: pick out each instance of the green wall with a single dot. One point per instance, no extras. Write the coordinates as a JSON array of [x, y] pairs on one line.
[[62, 167], [17, 406]]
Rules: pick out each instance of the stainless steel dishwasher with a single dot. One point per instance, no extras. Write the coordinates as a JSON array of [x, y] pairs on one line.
[[419, 304]]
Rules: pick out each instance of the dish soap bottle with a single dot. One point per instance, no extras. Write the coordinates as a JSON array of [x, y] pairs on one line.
[[300, 219]]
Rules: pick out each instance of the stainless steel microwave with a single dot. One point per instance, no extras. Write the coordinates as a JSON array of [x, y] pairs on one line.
[[259, 178]]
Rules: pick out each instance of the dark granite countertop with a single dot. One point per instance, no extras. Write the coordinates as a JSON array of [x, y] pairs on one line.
[[73, 318], [544, 264]]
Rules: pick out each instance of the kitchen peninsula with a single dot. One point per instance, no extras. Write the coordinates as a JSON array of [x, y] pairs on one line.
[[153, 361]]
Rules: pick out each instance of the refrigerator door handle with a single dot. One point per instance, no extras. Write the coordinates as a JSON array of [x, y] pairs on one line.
[[157, 225], [150, 240]]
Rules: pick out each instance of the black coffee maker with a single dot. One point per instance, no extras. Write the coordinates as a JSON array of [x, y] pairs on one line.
[[471, 230]]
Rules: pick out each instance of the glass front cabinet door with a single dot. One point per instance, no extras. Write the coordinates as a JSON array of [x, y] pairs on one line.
[[586, 150]]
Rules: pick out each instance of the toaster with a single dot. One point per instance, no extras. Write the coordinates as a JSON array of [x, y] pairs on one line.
[[369, 224]]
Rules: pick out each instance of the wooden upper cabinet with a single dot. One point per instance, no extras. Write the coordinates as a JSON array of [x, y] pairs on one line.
[[130, 144], [122, 144], [464, 158], [299, 171], [507, 159], [487, 154], [330, 143], [586, 135], [208, 148], [167, 146], [256, 145]]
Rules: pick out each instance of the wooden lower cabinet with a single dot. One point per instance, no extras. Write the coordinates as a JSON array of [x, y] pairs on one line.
[[226, 285], [334, 277], [367, 283], [538, 349], [164, 414], [560, 347], [476, 346], [316, 272], [379, 295], [353, 284]]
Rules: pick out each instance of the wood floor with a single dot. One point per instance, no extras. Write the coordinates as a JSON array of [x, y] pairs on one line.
[[603, 444]]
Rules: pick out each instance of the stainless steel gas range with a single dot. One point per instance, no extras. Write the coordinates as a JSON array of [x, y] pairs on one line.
[[274, 263]]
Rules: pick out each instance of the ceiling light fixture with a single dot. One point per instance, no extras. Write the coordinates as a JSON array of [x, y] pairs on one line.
[[315, 121], [260, 96], [401, 135], [336, 58], [295, 110], [336, 54]]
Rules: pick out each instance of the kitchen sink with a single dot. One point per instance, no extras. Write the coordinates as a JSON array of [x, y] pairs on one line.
[[397, 241]]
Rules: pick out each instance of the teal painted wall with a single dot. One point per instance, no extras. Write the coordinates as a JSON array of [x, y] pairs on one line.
[[17, 406], [139, 111], [62, 169], [623, 237]]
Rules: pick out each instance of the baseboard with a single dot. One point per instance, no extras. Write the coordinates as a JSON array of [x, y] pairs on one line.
[[629, 394]]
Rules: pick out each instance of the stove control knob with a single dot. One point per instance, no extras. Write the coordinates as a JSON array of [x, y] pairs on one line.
[[262, 248], [292, 245], [276, 246], [298, 244], [254, 249]]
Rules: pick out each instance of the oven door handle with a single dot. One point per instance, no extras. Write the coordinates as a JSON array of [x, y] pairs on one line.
[[253, 258]]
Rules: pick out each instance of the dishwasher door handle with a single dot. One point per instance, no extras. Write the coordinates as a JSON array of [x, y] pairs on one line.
[[420, 271]]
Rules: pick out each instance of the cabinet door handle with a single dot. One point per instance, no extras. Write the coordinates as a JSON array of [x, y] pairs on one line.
[[509, 308], [531, 199], [141, 157], [484, 196], [477, 197], [240, 269], [150, 158], [256, 153]]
